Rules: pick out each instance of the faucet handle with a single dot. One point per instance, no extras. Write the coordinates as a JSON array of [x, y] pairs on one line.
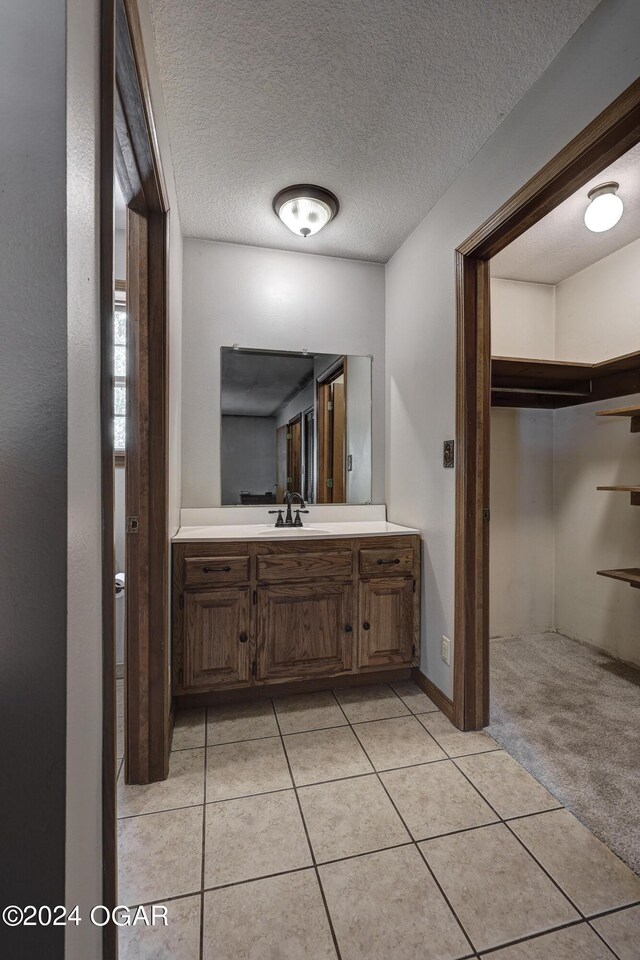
[[279, 521], [298, 522]]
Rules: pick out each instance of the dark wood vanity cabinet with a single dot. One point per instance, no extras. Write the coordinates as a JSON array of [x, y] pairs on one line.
[[305, 630], [217, 627], [386, 622], [273, 612]]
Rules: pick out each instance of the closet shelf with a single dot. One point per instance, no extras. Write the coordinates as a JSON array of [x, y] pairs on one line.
[[621, 488], [550, 384], [633, 413], [631, 575]]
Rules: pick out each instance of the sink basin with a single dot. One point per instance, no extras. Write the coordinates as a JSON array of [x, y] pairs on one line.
[[291, 531]]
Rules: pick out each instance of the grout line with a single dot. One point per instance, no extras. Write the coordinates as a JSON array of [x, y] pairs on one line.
[[507, 824], [152, 813], [304, 825], [608, 914], [506, 821], [420, 854], [533, 936], [204, 828]]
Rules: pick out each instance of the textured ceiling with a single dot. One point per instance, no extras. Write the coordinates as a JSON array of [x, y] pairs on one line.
[[560, 244], [382, 101], [258, 384]]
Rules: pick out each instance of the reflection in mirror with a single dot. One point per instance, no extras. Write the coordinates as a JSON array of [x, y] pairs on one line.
[[297, 422]]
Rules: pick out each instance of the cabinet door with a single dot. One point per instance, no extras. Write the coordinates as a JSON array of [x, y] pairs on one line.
[[217, 624], [304, 630], [386, 622]]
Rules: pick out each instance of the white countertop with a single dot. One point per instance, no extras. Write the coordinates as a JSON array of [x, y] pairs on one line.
[[310, 531]]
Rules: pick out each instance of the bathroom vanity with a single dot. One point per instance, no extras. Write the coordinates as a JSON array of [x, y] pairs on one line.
[[257, 606]]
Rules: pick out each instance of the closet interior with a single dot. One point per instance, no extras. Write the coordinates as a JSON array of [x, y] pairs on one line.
[[565, 492]]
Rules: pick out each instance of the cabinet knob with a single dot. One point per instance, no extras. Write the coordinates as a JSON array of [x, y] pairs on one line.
[[243, 638], [366, 625], [216, 569], [383, 562], [348, 628]]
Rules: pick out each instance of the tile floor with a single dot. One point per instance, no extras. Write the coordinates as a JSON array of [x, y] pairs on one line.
[[361, 825]]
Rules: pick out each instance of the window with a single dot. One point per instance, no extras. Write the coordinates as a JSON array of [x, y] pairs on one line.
[[119, 374]]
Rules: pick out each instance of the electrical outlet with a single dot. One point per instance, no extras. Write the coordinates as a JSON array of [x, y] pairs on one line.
[[445, 650]]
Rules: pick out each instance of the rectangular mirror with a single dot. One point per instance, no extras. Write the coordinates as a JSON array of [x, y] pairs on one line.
[[295, 421]]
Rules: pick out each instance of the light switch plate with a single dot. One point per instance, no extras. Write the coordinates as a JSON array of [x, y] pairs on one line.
[[445, 651]]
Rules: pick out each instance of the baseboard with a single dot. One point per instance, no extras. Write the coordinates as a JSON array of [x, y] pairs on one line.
[[266, 690], [434, 693]]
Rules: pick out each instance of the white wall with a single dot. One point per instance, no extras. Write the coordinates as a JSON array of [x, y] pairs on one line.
[[598, 309], [597, 64], [596, 530], [522, 537], [298, 404], [522, 522], [359, 429], [275, 300], [523, 319], [248, 456], [84, 627]]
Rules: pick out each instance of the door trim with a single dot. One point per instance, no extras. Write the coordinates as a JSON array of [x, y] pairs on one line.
[[126, 112], [612, 133]]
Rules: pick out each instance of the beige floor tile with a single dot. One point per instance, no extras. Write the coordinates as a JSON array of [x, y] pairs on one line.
[[386, 905], [178, 940], [413, 697], [119, 698], [588, 872], [188, 729], [308, 711], [371, 702], [506, 785], [497, 890], [435, 798], [325, 755], [240, 769], [621, 930], [454, 741], [397, 743], [241, 721], [184, 787], [349, 817], [254, 837], [280, 918], [573, 943], [159, 856]]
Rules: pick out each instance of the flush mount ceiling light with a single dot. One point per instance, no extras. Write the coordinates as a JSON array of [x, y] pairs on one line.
[[305, 209], [605, 208]]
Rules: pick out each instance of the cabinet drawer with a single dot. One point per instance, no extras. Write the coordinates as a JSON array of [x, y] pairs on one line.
[[208, 571], [386, 561], [337, 565]]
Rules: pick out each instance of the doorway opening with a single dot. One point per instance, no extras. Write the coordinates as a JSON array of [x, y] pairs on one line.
[[332, 433], [615, 131], [549, 362]]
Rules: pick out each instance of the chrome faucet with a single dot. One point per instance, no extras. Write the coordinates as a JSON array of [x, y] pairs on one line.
[[290, 498]]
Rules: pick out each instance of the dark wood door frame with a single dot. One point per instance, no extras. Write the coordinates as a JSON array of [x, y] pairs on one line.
[[611, 134], [128, 146], [324, 429]]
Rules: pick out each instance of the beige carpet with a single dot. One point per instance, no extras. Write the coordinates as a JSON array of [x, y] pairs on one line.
[[571, 716]]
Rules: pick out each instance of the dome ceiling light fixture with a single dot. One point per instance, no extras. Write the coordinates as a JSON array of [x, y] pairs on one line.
[[605, 208], [305, 209]]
